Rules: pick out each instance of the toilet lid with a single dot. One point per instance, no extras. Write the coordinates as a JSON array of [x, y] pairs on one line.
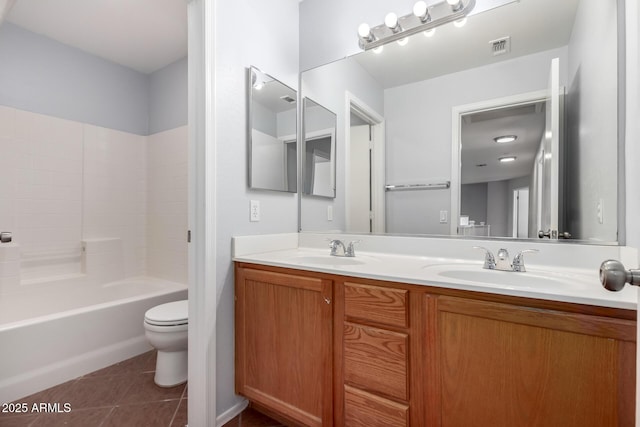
[[172, 313]]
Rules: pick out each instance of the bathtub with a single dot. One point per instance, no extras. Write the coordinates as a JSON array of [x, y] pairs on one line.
[[56, 331]]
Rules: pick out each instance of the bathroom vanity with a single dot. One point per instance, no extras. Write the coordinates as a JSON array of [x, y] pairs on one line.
[[323, 341], [333, 341]]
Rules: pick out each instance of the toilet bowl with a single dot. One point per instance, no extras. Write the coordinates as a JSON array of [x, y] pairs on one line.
[[165, 327]]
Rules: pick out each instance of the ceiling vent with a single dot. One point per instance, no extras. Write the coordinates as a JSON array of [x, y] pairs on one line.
[[288, 99], [500, 46]]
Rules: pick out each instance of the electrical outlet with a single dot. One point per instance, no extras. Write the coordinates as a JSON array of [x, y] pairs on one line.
[[443, 217], [254, 211], [330, 213]]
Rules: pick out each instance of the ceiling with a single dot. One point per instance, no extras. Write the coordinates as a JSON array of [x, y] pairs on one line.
[[144, 35]]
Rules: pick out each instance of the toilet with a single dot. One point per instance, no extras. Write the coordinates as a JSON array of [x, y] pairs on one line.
[[165, 327]]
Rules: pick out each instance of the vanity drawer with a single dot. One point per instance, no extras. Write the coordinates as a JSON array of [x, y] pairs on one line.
[[381, 305], [363, 409], [376, 360]]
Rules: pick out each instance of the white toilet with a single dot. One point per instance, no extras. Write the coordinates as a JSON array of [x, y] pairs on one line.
[[165, 327]]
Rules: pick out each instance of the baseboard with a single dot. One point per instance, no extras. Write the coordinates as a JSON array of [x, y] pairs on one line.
[[231, 413]]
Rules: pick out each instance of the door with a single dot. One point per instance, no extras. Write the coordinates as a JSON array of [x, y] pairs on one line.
[[521, 213], [360, 180], [549, 156]]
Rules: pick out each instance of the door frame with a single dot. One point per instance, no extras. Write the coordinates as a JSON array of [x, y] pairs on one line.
[[456, 138], [364, 111]]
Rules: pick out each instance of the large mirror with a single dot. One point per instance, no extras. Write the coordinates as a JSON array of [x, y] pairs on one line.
[[319, 150], [272, 134], [435, 109]]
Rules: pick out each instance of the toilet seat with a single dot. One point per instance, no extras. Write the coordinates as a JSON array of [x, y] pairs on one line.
[[169, 314]]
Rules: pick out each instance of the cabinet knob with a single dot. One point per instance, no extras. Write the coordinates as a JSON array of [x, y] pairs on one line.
[[614, 276], [327, 300]]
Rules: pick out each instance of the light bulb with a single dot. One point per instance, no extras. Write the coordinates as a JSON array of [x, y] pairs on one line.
[[364, 31], [258, 85], [403, 41], [456, 5], [460, 22], [429, 33], [420, 10], [378, 49], [453, 2], [391, 20]]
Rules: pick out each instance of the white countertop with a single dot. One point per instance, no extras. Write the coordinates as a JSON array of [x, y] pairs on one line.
[[576, 283]]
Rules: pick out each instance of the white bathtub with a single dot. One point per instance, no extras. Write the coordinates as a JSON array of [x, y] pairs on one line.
[[54, 332]]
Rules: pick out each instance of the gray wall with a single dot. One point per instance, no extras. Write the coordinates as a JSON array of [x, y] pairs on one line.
[[273, 49], [41, 75], [168, 97], [473, 201], [498, 208]]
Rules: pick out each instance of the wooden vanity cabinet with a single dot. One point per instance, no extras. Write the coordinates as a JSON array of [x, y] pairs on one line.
[[509, 365], [328, 350], [284, 344]]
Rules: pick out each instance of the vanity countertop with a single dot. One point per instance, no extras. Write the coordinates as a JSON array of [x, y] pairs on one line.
[[575, 284]]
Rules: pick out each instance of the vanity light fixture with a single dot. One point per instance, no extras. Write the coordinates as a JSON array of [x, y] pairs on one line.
[[378, 49], [505, 139], [391, 21], [422, 19], [429, 33], [403, 41], [507, 159]]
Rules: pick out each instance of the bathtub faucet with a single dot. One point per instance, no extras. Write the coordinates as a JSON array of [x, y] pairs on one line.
[[5, 237]]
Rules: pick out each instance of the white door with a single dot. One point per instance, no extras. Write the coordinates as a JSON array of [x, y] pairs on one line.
[[359, 180], [551, 149], [521, 213]]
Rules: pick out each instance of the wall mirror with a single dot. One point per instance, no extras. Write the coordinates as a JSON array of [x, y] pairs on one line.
[[272, 134], [445, 99], [319, 148]]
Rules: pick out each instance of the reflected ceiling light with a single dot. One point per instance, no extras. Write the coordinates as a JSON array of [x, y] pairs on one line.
[[505, 138], [391, 21], [378, 49], [403, 41], [507, 159], [424, 18], [421, 11], [460, 22]]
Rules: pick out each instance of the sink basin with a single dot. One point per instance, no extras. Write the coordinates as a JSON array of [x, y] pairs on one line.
[[329, 260], [533, 280]]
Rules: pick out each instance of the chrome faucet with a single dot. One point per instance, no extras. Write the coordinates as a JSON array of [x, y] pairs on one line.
[[347, 251], [502, 262]]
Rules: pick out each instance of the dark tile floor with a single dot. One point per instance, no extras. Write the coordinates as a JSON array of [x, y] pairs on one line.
[[120, 395], [252, 418]]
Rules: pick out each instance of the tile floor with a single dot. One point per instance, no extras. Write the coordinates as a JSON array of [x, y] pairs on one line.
[[252, 418], [120, 395]]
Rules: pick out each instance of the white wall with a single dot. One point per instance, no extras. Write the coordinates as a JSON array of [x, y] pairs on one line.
[[418, 127], [167, 191], [267, 38], [592, 111]]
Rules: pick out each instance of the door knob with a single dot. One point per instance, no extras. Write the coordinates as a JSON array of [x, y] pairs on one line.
[[613, 275], [553, 234]]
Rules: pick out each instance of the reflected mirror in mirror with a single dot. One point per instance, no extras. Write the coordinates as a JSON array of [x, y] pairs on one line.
[[431, 90], [272, 134], [319, 150]]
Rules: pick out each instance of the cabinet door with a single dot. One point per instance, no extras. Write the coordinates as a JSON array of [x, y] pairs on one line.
[[284, 344], [504, 365]]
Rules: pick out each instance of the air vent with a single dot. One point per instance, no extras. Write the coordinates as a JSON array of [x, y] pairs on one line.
[[500, 46], [288, 99]]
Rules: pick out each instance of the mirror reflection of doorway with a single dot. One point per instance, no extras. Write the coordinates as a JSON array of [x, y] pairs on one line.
[[365, 199], [521, 213]]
